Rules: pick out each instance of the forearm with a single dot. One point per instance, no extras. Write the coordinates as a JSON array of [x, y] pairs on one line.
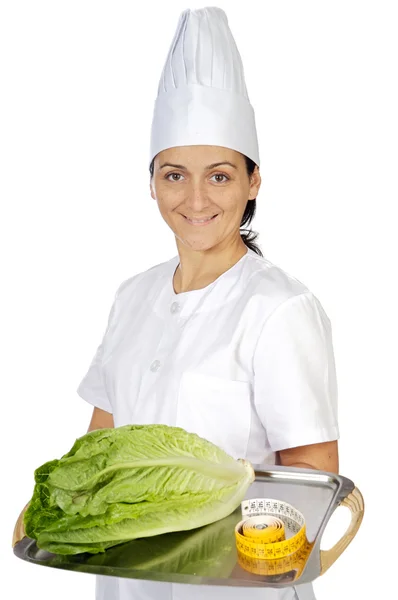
[[321, 457], [302, 465], [100, 419]]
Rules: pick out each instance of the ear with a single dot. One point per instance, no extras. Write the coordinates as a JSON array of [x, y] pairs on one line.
[[255, 183], [152, 191]]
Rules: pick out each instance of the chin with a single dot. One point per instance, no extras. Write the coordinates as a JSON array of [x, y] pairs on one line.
[[197, 245]]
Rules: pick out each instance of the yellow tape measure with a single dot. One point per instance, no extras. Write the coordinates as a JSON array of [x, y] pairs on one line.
[[271, 539]]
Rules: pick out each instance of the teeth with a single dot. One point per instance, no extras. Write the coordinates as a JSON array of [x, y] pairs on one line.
[[199, 221]]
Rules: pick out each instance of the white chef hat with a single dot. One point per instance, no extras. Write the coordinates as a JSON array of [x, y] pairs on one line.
[[202, 96]]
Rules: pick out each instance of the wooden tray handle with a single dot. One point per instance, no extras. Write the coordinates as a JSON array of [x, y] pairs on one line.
[[356, 504], [19, 529]]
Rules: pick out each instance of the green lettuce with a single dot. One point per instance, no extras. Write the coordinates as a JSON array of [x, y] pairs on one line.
[[134, 481]]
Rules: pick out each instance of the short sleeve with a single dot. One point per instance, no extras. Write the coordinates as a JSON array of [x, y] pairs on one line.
[[92, 387], [295, 383]]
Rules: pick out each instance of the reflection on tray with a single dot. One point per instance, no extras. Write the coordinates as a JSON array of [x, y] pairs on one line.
[[208, 551]]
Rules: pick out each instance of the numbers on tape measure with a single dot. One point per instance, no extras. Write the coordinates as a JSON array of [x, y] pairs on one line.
[[258, 506]]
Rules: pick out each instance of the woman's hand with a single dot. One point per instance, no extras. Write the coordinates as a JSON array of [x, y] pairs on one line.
[[323, 457]]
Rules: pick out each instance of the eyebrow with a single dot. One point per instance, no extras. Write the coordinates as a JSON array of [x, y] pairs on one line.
[[212, 166]]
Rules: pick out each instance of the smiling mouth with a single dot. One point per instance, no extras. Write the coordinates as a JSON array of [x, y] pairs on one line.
[[200, 221]]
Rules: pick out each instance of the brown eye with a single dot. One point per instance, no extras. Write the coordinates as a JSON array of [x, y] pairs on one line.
[[170, 174], [220, 175]]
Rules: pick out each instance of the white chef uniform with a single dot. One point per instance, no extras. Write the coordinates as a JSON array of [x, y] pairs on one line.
[[246, 362]]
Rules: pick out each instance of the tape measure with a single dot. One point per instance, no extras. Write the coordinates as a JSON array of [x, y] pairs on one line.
[[271, 539]]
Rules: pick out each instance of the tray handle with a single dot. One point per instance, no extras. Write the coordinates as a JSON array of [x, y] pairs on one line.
[[354, 501], [19, 529]]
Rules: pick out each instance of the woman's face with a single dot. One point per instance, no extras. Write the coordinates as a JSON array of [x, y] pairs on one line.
[[195, 183]]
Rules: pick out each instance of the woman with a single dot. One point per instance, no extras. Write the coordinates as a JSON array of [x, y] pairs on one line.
[[216, 340]]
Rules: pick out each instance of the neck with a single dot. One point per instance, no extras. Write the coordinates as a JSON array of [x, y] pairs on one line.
[[198, 269]]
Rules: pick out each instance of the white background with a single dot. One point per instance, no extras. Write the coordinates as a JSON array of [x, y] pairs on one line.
[[78, 82]]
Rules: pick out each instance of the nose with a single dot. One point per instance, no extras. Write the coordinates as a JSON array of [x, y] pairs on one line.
[[197, 199]]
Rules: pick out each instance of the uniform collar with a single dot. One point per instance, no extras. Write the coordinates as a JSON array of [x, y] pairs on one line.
[[222, 289]]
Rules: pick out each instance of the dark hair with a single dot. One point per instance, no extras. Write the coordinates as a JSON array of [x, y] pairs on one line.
[[249, 236]]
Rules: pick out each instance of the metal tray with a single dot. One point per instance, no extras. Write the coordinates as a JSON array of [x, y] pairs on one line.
[[208, 555]]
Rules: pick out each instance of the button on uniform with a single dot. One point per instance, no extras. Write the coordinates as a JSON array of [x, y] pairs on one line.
[[155, 365], [174, 308]]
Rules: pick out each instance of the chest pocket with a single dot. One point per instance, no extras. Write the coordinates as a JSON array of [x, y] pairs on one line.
[[216, 409]]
